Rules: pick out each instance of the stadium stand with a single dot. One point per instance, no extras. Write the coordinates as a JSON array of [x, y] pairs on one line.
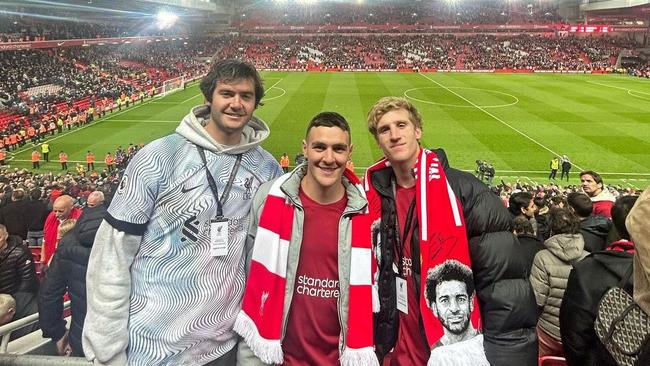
[[40, 86]]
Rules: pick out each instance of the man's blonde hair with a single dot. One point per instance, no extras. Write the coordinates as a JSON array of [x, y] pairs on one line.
[[387, 104], [65, 226]]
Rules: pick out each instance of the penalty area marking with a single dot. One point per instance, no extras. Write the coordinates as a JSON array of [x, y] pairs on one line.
[[516, 100], [628, 90], [631, 92], [276, 87]]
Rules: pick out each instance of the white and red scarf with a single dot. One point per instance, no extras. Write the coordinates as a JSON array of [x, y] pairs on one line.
[[261, 318], [442, 228]]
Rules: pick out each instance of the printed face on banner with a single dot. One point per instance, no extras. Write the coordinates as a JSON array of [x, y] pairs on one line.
[[450, 294]]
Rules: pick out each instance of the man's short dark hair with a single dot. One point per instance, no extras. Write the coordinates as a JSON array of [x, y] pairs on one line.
[[597, 178], [329, 119], [35, 194], [523, 226], [580, 203], [557, 200], [228, 71], [563, 221], [620, 210], [449, 270], [518, 201], [540, 202]]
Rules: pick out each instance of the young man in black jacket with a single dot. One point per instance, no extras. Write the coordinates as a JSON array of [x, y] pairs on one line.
[[505, 297]]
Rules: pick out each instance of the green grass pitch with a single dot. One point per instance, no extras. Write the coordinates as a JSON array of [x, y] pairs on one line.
[[515, 121]]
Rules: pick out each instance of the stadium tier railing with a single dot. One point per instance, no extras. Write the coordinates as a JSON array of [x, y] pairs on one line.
[[33, 360], [26, 343]]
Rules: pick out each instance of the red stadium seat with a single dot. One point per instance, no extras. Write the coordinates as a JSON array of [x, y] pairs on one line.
[[552, 361], [36, 253]]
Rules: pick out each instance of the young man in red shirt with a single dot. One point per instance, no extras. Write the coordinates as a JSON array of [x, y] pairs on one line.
[[308, 300], [426, 214]]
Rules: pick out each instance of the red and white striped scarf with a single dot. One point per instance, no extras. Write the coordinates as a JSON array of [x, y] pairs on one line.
[[443, 235], [260, 320]]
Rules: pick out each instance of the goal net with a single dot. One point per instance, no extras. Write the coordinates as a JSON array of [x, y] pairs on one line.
[[173, 85]]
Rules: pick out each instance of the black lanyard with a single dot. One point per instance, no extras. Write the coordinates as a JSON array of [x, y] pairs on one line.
[[213, 185], [400, 242]]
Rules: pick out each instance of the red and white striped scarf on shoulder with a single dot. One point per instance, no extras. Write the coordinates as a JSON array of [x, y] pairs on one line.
[[261, 318]]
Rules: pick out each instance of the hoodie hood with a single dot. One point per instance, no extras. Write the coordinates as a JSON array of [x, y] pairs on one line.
[[596, 225], [567, 247], [614, 261], [604, 195], [192, 128]]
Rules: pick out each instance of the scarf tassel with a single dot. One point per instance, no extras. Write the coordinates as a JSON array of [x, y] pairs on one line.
[[359, 357], [268, 351]]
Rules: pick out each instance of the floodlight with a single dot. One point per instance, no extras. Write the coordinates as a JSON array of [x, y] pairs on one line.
[[165, 19]]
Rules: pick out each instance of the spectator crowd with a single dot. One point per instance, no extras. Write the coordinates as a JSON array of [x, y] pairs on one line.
[[546, 239]]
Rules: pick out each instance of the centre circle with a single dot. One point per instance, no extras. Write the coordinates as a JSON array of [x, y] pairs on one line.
[[515, 100]]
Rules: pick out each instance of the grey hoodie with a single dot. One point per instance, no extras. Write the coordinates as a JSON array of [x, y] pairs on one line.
[[154, 288], [192, 128]]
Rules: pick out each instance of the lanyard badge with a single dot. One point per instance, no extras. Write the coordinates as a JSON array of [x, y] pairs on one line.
[[219, 237], [219, 226]]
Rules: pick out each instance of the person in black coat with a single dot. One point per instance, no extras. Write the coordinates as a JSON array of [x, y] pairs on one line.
[[594, 229], [38, 213], [588, 282], [15, 215], [530, 245], [67, 271], [18, 278], [505, 296]]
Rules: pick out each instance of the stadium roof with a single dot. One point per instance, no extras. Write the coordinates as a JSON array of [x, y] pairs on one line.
[[110, 9]]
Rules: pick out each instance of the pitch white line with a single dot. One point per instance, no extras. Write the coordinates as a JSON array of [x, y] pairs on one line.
[[499, 171], [276, 97], [145, 121], [496, 118], [190, 98], [617, 87], [104, 119]]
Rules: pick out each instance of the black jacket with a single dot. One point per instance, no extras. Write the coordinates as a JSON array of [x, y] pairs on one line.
[[68, 272], [588, 282], [17, 273], [18, 279], [530, 246], [594, 230], [16, 216], [38, 213], [505, 296]]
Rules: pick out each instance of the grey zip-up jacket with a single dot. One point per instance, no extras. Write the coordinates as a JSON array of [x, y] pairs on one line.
[[356, 204]]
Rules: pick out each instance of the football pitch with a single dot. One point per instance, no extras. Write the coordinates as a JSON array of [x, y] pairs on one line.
[[517, 122]]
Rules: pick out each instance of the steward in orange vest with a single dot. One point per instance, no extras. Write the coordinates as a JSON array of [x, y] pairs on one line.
[[90, 160], [63, 159], [36, 159]]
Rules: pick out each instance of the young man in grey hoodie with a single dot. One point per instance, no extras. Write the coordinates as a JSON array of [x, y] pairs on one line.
[[166, 274]]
